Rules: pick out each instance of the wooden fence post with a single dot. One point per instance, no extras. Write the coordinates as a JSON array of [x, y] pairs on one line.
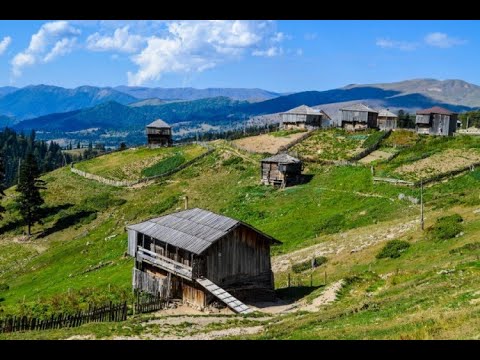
[[288, 283]]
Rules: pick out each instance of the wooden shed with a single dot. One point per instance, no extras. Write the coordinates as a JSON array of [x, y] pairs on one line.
[[387, 120], [159, 133], [436, 121], [198, 256], [358, 117], [281, 170], [304, 118]]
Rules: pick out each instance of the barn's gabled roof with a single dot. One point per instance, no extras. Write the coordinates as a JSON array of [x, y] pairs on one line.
[[282, 159], [435, 110], [194, 230], [303, 110], [386, 113], [159, 123], [358, 107]]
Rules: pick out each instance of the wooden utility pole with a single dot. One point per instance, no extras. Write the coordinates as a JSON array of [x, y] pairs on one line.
[[422, 223]]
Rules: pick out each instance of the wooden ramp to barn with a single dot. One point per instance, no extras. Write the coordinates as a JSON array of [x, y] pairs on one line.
[[233, 303]]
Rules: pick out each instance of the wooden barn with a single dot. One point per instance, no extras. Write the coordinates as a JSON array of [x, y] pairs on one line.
[[436, 121], [387, 120], [358, 117], [159, 133], [198, 256], [281, 170], [304, 118]]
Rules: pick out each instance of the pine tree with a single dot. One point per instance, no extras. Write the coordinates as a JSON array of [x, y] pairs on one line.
[[2, 184], [30, 199]]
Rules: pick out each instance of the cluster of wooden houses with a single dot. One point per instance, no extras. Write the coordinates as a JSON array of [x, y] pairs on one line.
[[432, 121]]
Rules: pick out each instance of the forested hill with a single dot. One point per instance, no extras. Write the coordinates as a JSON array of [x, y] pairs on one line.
[[15, 147]]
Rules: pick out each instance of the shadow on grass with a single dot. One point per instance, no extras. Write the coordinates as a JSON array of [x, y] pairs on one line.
[[12, 225], [306, 178], [44, 212], [295, 293], [52, 210], [67, 221]]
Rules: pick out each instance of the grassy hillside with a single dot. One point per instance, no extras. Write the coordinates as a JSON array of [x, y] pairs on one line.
[[135, 163], [78, 255]]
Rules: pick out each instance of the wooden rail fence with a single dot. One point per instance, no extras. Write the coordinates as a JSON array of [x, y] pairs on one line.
[[110, 312]]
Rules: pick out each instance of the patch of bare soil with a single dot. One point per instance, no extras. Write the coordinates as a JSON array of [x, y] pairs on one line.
[[327, 297], [374, 156], [266, 143], [449, 160], [351, 241]]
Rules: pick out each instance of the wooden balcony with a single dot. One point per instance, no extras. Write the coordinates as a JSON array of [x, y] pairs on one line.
[[164, 263]]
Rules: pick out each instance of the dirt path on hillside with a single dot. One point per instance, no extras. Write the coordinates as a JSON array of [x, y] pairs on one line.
[[358, 193], [327, 297], [352, 241]]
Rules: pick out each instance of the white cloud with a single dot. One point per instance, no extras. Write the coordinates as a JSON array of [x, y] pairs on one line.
[[310, 36], [442, 40], [270, 52], [121, 41], [299, 52], [395, 44], [279, 37], [194, 46], [62, 47], [52, 39], [4, 44]]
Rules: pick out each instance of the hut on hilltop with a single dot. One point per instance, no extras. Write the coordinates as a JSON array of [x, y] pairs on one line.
[[159, 133], [436, 121], [304, 117], [358, 117], [387, 120]]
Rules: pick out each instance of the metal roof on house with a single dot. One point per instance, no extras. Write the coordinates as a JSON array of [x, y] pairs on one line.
[[386, 113], [159, 123], [282, 159], [435, 110], [359, 107], [303, 110], [194, 230]]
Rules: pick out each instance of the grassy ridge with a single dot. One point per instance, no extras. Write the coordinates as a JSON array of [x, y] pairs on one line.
[[131, 164]]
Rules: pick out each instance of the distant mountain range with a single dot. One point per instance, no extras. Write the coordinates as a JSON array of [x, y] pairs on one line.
[[455, 92], [107, 108], [189, 93], [34, 101]]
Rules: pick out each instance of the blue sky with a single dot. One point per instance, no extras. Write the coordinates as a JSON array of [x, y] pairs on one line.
[[282, 55]]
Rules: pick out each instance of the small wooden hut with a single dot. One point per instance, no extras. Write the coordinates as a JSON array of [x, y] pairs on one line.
[[198, 256], [436, 121], [387, 120], [281, 170], [358, 117], [159, 133]]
